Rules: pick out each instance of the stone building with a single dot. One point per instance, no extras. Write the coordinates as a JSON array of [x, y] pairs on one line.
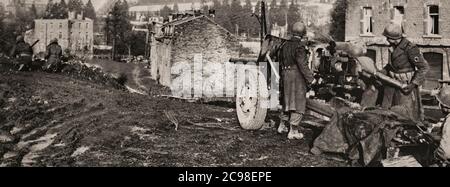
[[425, 22], [184, 40], [75, 34]]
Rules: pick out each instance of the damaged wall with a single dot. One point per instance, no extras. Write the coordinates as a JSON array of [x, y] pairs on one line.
[[201, 37]]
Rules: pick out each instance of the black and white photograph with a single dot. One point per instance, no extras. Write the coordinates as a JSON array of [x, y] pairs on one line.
[[225, 84]]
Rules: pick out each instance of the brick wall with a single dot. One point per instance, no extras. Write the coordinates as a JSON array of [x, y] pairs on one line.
[[414, 24]]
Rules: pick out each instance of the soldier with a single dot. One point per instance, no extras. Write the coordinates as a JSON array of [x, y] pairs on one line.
[[408, 66], [53, 55], [23, 52], [296, 78], [443, 151]]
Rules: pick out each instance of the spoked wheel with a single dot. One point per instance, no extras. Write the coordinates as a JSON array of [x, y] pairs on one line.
[[252, 101]]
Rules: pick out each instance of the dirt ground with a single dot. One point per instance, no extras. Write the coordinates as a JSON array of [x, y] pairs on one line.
[[58, 120]]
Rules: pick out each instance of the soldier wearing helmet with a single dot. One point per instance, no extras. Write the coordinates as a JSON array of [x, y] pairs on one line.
[[53, 55], [443, 151], [23, 52], [408, 66], [296, 78]]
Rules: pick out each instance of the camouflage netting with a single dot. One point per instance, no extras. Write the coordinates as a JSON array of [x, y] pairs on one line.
[[365, 135]]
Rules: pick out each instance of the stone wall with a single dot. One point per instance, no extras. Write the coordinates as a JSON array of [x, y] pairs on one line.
[[160, 61], [203, 41]]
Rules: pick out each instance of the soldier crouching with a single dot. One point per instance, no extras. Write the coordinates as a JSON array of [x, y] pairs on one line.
[[23, 52], [53, 55]]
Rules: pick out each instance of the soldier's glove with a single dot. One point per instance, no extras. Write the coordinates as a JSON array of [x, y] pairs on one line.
[[409, 89]]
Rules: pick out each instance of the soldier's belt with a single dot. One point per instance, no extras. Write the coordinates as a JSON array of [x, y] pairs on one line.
[[402, 77], [23, 54]]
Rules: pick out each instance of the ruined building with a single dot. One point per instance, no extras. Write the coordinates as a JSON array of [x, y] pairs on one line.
[[425, 22]]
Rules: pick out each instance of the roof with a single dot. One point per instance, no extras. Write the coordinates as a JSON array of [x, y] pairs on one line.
[[189, 19], [182, 21], [154, 8]]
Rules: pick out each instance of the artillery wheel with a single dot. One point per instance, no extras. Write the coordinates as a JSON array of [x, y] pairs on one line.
[[252, 101]]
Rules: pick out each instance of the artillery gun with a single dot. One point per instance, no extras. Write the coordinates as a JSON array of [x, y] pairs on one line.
[[339, 73]]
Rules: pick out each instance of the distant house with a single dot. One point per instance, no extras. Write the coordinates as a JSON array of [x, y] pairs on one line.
[[425, 22], [147, 11], [182, 40], [75, 34]]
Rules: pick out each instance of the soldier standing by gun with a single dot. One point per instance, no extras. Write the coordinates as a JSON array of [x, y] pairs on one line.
[[296, 78], [408, 66], [23, 52], [53, 55]]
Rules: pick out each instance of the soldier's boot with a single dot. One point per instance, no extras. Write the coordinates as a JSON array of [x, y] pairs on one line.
[[294, 133], [282, 128]]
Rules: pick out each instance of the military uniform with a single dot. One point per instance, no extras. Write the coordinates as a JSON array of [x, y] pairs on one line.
[[408, 66], [53, 54], [23, 52], [296, 76], [443, 151]]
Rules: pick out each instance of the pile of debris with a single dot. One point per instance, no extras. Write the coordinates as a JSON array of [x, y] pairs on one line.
[[79, 70], [135, 60], [364, 136], [75, 68]]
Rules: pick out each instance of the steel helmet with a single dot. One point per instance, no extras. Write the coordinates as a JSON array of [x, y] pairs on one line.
[[54, 40], [299, 29], [444, 97], [393, 31]]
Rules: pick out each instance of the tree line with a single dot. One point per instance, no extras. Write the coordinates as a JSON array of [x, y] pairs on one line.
[[241, 19], [60, 10], [22, 20], [119, 34]]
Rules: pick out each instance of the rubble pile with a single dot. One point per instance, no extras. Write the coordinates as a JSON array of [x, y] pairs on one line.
[[135, 60], [79, 70], [74, 68]]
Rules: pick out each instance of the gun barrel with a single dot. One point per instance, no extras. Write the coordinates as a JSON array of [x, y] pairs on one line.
[[385, 79], [243, 60]]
